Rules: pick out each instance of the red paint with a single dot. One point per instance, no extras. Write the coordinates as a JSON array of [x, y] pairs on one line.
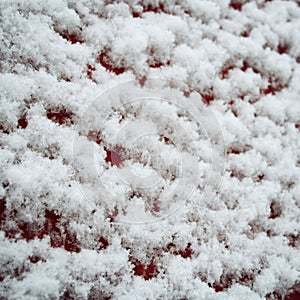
[[155, 64], [71, 37], [95, 137], [136, 14], [60, 116], [207, 98], [293, 240], [245, 34], [282, 49], [155, 9], [114, 156], [147, 271], [3, 129], [224, 283], [275, 210], [237, 5], [2, 209], [269, 90], [272, 89], [225, 72], [186, 93], [89, 72], [233, 151], [71, 243], [155, 206], [142, 81], [35, 259], [295, 295], [106, 62], [245, 66], [103, 243], [260, 177], [60, 234], [185, 253], [22, 122]]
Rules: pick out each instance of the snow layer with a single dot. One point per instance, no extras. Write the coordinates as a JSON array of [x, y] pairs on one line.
[[149, 149]]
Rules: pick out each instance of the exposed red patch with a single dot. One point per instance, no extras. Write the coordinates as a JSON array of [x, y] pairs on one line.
[[155, 208], [103, 243], [147, 271], [245, 66], [28, 231], [136, 14], [71, 243], [233, 151], [22, 122], [186, 93], [297, 125], [237, 5], [60, 116], [155, 9], [185, 253], [273, 296], [245, 34], [275, 210], [269, 90], [260, 177], [3, 129], [115, 156], [107, 63], [2, 209], [142, 81], [71, 37], [224, 283], [89, 72], [293, 239], [272, 90], [35, 259], [281, 49], [95, 137], [60, 235], [52, 228], [295, 295], [156, 64], [225, 72], [207, 97]]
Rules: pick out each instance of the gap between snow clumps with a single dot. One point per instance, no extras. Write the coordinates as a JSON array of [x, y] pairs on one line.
[[150, 149]]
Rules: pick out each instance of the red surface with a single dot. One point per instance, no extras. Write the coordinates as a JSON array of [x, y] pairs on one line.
[[95, 137], [114, 156], [147, 271], [89, 72], [207, 98], [71, 37], [237, 5], [22, 122], [107, 63], [60, 116]]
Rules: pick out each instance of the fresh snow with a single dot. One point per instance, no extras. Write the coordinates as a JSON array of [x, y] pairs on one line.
[[150, 149]]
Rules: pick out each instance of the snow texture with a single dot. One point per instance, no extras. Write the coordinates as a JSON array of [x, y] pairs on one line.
[[150, 149]]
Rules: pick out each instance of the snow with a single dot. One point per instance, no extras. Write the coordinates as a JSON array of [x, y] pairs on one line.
[[149, 149]]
